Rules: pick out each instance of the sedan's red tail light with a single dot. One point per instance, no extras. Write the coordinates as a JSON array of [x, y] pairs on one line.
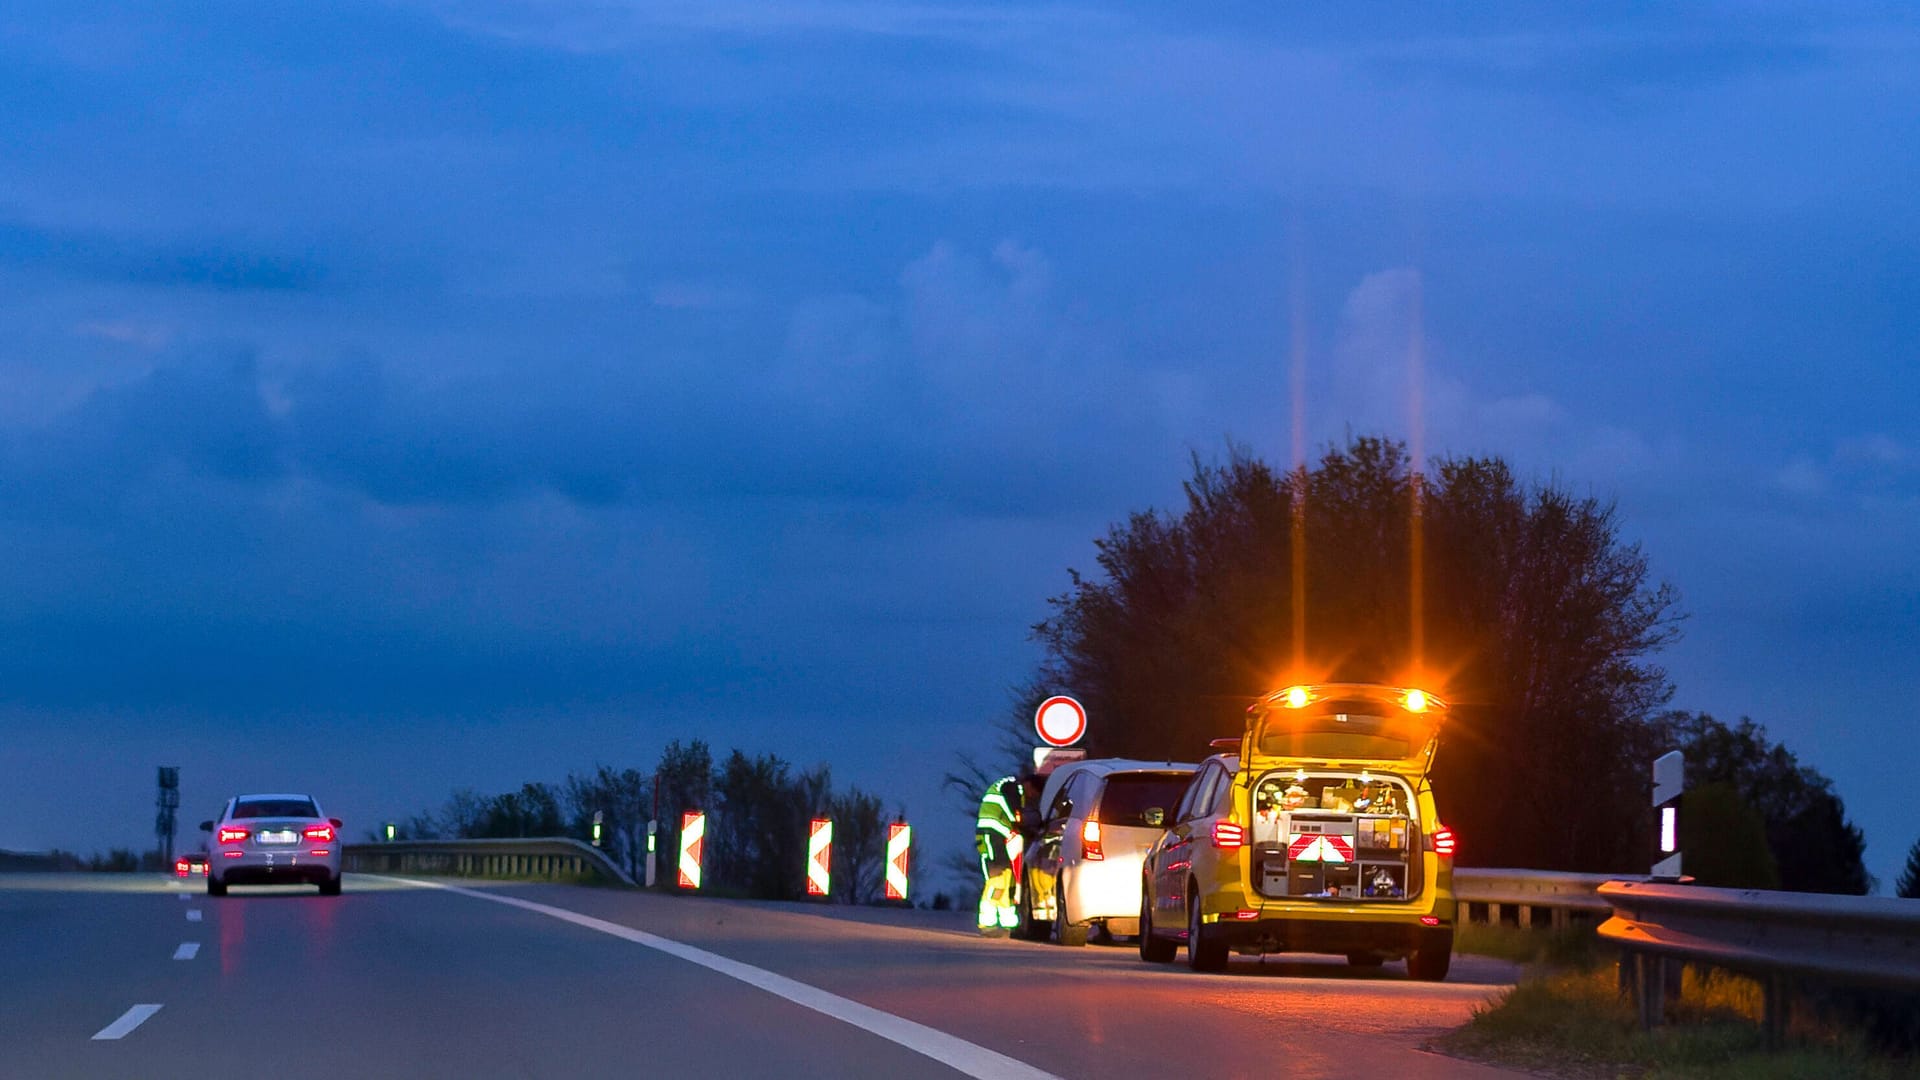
[[1228, 835], [229, 835], [1443, 842], [1090, 841], [322, 833]]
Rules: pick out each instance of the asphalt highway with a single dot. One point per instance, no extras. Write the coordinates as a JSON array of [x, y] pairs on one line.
[[136, 976]]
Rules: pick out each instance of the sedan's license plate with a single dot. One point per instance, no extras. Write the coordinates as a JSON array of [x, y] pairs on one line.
[[285, 836]]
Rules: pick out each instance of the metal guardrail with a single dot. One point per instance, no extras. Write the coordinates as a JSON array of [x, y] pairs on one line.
[[1561, 895], [1849, 940], [549, 858]]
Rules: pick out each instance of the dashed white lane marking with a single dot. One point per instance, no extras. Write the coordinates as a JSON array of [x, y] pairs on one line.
[[956, 1053], [193, 914], [187, 950], [129, 1020], [183, 896]]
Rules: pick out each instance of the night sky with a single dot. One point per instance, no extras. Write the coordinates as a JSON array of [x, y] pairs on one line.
[[404, 396]]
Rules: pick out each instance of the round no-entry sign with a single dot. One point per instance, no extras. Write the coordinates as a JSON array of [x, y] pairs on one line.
[[1060, 721]]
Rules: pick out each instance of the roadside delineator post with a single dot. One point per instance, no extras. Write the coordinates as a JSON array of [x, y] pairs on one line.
[[899, 848], [653, 837], [1669, 780], [819, 857], [693, 834]]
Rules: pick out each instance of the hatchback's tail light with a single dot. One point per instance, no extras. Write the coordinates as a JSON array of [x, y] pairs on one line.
[[1090, 841], [1228, 835], [322, 833], [180, 868], [229, 835], [1443, 841]]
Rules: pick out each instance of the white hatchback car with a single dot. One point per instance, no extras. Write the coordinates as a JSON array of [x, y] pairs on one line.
[[1083, 866], [272, 840]]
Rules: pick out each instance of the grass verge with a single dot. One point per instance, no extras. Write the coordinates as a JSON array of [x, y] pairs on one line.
[[1576, 1023]]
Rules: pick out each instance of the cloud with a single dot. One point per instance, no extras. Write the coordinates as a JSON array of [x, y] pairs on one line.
[[697, 296], [138, 259], [967, 385], [142, 335], [1872, 467]]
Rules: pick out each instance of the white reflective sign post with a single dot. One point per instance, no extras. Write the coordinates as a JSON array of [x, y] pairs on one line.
[[1669, 782]]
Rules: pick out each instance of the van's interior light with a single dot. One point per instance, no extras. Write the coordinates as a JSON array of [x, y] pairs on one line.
[[1297, 697], [1416, 701]]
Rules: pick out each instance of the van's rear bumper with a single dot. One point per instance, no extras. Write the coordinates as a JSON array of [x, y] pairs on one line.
[[1391, 938]]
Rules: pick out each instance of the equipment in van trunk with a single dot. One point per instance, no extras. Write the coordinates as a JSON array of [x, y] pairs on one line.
[[1334, 854]]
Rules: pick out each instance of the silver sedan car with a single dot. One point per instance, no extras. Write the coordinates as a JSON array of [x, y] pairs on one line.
[[273, 840]]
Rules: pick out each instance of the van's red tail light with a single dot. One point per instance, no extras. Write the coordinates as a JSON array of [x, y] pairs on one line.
[[230, 835], [322, 833], [1443, 841], [1228, 835], [1090, 841]]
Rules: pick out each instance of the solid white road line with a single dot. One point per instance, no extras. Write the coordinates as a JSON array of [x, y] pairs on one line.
[[968, 1058], [129, 1020], [193, 914], [187, 950]]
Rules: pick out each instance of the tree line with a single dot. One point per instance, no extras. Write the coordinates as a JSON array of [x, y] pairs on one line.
[[1521, 601], [758, 808]]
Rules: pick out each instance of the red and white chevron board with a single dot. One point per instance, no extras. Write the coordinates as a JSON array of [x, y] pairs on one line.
[[1317, 847], [693, 836], [819, 857], [899, 845]]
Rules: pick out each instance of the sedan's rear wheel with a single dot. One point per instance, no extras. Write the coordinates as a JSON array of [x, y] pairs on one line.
[[331, 886], [1205, 952], [1152, 949]]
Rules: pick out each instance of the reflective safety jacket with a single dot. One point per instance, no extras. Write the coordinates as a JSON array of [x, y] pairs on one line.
[[998, 827]]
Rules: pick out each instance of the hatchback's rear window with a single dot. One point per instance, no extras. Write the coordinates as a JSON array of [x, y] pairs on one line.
[[276, 808], [1128, 796], [1349, 737]]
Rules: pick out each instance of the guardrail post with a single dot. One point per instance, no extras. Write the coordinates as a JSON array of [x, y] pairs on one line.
[[1778, 1003], [1650, 989], [1465, 914], [1525, 912], [1559, 918], [1493, 914]]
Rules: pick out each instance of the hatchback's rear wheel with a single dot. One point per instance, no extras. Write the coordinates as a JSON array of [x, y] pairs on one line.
[[1065, 932], [1205, 952], [1029, 927], [331, 886], [216, 888], [1152, 949]]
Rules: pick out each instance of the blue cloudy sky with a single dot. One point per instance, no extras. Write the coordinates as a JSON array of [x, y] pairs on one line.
[[397, 396]]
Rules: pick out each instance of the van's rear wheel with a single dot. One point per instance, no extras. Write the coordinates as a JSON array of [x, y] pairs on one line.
[[1431, 958], [1152, 949], [1205, 952]]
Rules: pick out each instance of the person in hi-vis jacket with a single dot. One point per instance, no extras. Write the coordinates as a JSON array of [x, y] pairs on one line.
[[997, 835]]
